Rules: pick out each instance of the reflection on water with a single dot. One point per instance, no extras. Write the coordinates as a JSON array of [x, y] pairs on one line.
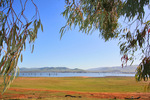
[[52, 74]]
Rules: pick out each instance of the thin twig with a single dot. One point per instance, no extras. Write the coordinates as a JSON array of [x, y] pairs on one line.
[[36, 9]]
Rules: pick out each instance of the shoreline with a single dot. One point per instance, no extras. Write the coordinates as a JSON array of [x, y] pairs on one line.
[[74, 74]]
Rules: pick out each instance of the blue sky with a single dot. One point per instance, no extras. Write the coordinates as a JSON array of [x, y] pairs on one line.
[[75, 50]]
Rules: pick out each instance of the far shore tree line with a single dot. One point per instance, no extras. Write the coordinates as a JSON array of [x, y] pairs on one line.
[[16, 30]]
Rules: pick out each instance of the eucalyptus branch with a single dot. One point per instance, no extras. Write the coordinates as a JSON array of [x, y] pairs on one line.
[[14, 35], [16, 15]]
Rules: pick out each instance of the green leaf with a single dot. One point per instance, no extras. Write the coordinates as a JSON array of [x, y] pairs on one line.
[[29, 23], [39, 23], [21, 57], [42, 27], [32, 48]]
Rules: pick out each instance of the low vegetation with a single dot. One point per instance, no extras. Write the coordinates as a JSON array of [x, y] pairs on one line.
[[110, 84], [77, 88]]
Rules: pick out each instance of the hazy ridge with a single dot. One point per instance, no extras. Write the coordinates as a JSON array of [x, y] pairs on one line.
[[115, 69], [52, 69]]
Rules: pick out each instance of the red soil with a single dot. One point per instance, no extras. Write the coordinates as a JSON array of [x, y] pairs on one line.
[[137, 96]]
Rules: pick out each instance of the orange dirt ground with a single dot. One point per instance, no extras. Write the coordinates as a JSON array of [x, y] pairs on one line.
[[35, 94]]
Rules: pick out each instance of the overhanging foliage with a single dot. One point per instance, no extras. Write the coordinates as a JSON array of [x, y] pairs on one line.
[[15, 31], [103, 15]]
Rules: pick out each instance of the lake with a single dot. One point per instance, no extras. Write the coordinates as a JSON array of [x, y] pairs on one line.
[[46, 74]]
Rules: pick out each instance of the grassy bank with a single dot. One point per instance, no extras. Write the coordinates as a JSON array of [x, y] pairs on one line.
[[76, 84], [109, 84]]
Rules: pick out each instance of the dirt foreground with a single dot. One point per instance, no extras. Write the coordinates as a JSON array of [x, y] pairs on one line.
[[41, 94]]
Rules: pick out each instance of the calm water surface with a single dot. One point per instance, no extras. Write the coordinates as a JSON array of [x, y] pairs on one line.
[[72, 74]]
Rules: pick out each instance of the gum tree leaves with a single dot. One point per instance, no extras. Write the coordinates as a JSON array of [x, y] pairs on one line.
[[143, 70], [134, 8], [92, 15], [138, 41], [15, 31], [103, 15]]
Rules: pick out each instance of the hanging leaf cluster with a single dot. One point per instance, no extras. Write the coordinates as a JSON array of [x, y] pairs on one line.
[[132, 42], [15, 31], [140, 40], [92, 15], [143, 70], [103, 15], [134, 8]]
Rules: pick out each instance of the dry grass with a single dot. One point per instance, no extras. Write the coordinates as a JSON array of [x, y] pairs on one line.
[[36, 87], [109, 84]]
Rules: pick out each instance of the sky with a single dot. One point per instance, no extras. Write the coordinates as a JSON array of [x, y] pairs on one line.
[[74, 50]]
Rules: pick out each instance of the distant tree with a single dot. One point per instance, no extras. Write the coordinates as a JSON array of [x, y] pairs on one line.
[[15, 31], [103, 15]]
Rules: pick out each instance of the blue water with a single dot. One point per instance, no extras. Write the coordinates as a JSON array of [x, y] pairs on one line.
[[73, 74]]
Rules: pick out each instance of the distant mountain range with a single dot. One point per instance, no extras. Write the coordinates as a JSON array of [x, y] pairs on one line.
[[52, 69], [117, 69]]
